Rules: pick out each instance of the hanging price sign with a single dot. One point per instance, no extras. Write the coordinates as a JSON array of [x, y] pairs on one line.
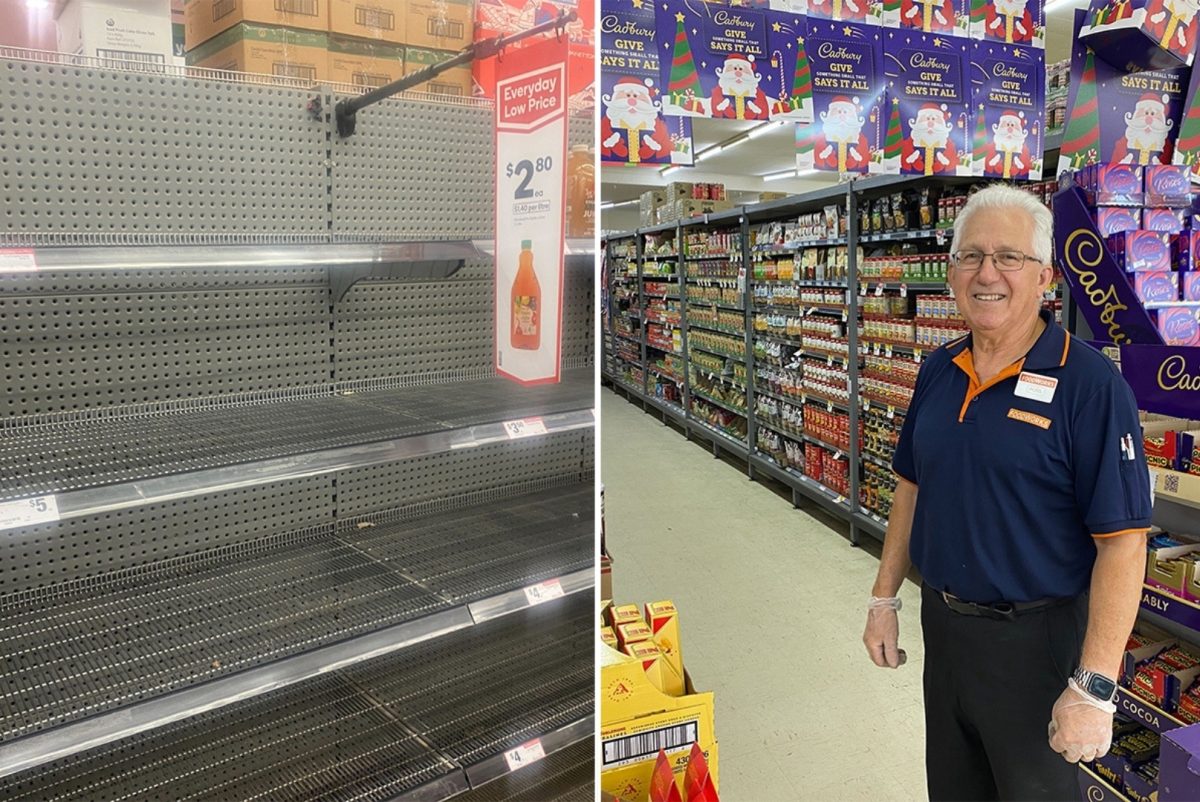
[[531, 147]]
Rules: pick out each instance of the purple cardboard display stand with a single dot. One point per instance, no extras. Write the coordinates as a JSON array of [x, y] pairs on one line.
[[1142, 34], [1098, 286], [1179, 765]]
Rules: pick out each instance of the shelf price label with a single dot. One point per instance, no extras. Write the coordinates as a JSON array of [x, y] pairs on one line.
[[525, 427], [531, 146], [523, 755], [544, 592], [28, 511], [18, 260]]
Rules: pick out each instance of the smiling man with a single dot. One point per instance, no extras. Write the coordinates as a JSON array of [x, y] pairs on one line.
[[1023, 499]]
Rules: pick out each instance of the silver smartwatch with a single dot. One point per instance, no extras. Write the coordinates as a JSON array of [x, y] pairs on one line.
[[1096, 685]]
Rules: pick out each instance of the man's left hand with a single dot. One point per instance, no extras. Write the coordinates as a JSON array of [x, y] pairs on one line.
[[1080, 726]]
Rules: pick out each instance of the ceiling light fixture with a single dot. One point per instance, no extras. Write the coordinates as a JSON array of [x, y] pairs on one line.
[[765, 128], [780, 175], [37, 5], [615, 204]]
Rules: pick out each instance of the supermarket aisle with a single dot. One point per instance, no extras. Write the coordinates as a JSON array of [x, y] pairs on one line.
[[772, 604]]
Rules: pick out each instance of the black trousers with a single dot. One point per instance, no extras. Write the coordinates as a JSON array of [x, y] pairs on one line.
[[989, 689]]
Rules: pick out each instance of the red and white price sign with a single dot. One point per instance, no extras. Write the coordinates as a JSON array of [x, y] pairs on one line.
[[544, 592], [18, 260], [524, 754], [531, 155], [526, 427], [27, 511]]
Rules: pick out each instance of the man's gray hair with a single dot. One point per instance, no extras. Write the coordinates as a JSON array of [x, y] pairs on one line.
[[1004, 196]]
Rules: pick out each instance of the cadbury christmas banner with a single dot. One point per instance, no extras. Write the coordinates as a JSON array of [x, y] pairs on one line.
[[947, 17], [1115, 116], [1008, 86], [788, 78], [1013, 22], [848, 96], [861, 12], [633, 130], [711, 59], [928, 120]]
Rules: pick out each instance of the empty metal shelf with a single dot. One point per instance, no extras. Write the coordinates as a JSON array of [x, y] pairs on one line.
[[349, 735], [72, 652], [565, 776]]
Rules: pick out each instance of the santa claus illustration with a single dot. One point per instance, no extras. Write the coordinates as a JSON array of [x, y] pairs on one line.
[[927, 15], [1146, 130], [840, 10], [1009, 21], [737, 95], [631, 129], [928, 149], [1173, 24], [842, 145], [1007, 155]]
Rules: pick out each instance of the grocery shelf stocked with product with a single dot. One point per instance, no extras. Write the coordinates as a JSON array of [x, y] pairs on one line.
[[274, 524], [804, 320]]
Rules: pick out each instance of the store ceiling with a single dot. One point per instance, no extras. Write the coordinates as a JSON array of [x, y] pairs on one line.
[[741, 167]]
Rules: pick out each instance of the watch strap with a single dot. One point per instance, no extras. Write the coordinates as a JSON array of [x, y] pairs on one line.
[[1087, 682]]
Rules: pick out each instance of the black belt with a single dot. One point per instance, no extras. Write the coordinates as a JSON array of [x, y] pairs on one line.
[[1002, 611]]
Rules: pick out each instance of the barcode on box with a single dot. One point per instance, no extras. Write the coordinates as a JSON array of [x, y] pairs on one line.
[[305, 72], [366, 79], [378, 18], [127, 59], [306, 7], [222, 8], [633, 748]]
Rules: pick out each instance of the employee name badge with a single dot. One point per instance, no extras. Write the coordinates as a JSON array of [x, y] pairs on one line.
[[1035, 387]]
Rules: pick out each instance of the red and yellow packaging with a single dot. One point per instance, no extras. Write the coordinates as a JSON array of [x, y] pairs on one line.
[[663, 619], [608, 637], [652, 660], [626, 614], [636, 632]]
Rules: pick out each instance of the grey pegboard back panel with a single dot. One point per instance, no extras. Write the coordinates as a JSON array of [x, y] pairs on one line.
[[368, 490], [415, 170], [416, 327], [579, 314], [95, 339], [81, 548], [581, 130], [143, 154]]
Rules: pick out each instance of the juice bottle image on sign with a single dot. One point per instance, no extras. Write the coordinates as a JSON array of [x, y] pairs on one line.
[[526, 303]]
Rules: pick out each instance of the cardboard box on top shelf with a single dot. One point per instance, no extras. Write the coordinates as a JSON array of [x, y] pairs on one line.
[[456, 81], [282, 52], [129, 31], [377, 20], [364, 63], [683, 209], [204, 19], [678, 190], [1173, 577], [637, 719], [441, 24]]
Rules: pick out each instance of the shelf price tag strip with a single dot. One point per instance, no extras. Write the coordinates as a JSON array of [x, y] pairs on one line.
[[525, 427], [28, 511], [544, 592], [18, 260], [524, 754]]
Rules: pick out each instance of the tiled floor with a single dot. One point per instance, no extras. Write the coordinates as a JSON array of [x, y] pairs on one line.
[[772, 604]]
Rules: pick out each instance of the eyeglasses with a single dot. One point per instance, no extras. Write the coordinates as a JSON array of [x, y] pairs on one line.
[[1008, 261]]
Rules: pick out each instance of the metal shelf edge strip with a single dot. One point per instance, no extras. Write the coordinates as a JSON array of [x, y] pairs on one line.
[[497, 766], [515, 600], [91, 501]]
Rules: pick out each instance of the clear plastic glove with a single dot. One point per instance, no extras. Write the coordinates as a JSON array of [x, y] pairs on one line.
[[883, 632], [1080, 725]]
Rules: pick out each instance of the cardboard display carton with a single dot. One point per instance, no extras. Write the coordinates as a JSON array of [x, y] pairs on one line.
[[663, 620], [128, 31], [440, 24], [653, 662], [380, 20], [636, 720], [268, 51], [362, 63], [456, 81], [204, 19], [1173, 577]]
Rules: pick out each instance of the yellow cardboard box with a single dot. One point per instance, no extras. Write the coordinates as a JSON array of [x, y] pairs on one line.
[[353, 61], [663, 620], [204, 19], [455, 81], [652, 661], [441, 24], [626, 614], [269, 51], [636, 632], [636, 720], [608, 637], [381, 20]]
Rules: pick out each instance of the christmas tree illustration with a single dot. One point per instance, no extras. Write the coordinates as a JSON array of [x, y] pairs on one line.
[[802, 80], [979, 143], [891, 145], [978, 13], [683, 89], [1081, 140], [1188, 144]]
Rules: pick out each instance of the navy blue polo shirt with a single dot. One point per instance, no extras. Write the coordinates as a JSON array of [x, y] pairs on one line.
[[1018, 475]]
